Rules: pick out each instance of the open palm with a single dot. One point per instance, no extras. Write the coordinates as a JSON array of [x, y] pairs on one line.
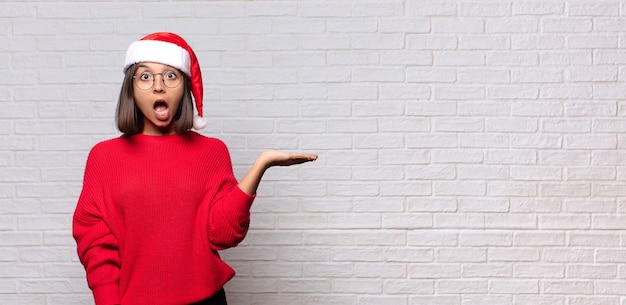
[[280, 158]]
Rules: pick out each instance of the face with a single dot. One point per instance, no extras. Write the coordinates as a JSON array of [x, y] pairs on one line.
[[159, 102]]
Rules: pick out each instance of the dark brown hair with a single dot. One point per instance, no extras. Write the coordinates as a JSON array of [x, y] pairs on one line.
[[129, 118]]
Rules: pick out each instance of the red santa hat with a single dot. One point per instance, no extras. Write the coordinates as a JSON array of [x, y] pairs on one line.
[[172, 50]]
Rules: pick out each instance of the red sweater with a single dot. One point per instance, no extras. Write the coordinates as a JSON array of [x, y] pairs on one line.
[[152, 214]]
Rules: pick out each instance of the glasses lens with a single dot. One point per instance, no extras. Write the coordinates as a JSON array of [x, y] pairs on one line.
[[144, 80], [171, 79]]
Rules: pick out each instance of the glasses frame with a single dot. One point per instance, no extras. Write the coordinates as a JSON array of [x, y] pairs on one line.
[[179, 78]]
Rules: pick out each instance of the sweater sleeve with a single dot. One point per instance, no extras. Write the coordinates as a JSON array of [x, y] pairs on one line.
[[229, 213], [97, 246]]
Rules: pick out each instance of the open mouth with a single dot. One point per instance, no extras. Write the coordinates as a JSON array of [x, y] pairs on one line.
[[161, 110]]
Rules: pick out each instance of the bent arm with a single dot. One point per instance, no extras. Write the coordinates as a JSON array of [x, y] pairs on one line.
[[229, 217], [250, 182], [97, 246]]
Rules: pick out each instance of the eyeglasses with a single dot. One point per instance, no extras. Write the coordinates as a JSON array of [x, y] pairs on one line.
[[145, 80]]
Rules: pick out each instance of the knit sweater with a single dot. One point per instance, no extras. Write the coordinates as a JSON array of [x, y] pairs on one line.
[[152, 214]]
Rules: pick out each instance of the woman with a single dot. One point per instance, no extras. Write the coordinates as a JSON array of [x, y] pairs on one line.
[[159, 201]]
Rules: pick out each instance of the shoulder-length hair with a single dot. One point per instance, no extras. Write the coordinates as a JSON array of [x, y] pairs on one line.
[[129, 118]]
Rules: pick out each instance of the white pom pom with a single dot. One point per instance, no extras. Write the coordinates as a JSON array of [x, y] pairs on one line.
[[199, 123]]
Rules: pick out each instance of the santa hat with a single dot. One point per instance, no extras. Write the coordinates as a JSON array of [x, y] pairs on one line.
[[172, 50]]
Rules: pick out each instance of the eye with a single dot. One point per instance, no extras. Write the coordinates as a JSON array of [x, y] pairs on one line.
[[170, 75], [145, 76]]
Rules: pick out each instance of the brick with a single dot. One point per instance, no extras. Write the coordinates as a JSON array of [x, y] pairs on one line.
[[290, 26], [482, 75], [434, 271], [325, 9], [408, 287], [513, 92], [377, 42], [431, 205], [517, 254], [567, 286], [412, 25], [592, 41], [455, 286], [421, 42], [536, 173], [522, 157], [514, 286], [325, 75], [593, 9], [431, 172], [591, 271], [538, 239], [357, 286], [535, 270], [459, 92], [436, 300], [528, 75], [458, 124], [363, 255], [374, 8], [355, 221], [328, 270], [378, 75], [512, 58], [569, 255], [458, 25], [568, 25], [305, 255], [599, 206], [23, 299], [512, 25], [492, 299], [335, 42], [610, 256], [510, 221], [483, 205], [537, 42], [460, 58], [538, 8], [476, 238], [581, 58], [431, 75], [594, 300], [443, 220], [299, 92], [390, 204], [432, 238], [218, 10], [543, 142], [18, 10], [461, 254], [540, 299], [271, 9], [347, 57], [485, 9], [414, 221]]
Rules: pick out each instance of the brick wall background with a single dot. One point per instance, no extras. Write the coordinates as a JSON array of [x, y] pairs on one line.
[[471, 152]]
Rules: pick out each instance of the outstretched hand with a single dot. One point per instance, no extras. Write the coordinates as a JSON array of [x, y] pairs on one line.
[[278, 158], [267, 159]]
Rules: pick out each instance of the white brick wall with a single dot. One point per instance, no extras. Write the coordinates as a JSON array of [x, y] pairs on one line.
[[471, 152]]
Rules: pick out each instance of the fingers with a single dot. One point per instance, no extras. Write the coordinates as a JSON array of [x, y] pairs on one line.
[[292, 159], [307, 157]]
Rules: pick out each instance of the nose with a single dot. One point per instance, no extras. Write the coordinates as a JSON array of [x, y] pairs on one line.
[[158, 83]]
